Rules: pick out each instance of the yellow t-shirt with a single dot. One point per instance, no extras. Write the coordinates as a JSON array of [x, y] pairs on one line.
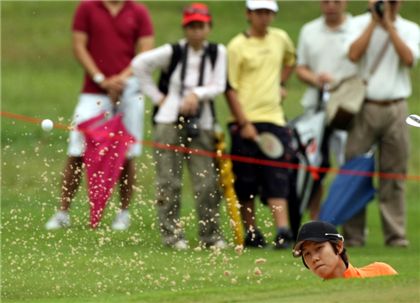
[[254, 71]]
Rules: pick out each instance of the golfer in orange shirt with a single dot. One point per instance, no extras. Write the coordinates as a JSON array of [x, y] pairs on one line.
[[322, 250]]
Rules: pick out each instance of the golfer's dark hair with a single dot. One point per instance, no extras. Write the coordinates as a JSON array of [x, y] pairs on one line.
[[343, 254]]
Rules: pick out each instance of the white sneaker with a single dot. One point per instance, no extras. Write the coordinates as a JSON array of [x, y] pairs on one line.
[[220, 244], [59, 220], [122, 220], [180, 245]]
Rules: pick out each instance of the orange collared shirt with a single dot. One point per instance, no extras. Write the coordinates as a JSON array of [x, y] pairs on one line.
[[372, 270]]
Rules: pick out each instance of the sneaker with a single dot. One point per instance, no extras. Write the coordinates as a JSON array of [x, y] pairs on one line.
[[180, 245], [59, 220], [398, 243], [254, 238], [284, 239], [219, 244], [122, 220]]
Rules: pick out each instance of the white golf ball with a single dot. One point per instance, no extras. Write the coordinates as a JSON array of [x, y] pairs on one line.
[[47, 125]]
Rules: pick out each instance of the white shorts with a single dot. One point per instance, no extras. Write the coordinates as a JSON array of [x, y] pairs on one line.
[[91, 105]]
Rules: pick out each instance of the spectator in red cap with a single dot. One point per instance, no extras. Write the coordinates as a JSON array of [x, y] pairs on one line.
[[193, 74], [322, 250]]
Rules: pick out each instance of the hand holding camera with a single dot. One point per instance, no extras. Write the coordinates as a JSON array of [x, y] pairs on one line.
[[382, 11], [189, 105], [190, 111]]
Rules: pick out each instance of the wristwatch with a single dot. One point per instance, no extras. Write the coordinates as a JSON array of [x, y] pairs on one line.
[[98, 78]]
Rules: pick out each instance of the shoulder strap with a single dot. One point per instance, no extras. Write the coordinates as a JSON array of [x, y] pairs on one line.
[[184, 55], [165, 76], [379, 57], [212, 50], [176, 56]]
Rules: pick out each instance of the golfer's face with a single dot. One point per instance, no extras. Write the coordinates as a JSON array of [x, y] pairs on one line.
[[260, 19], [197, 32], [321, 259]]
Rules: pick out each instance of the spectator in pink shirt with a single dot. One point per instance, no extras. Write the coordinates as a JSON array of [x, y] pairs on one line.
[[106, 36]]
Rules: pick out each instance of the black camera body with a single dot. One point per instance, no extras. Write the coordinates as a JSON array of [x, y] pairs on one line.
[[379, 6], [192, 126]]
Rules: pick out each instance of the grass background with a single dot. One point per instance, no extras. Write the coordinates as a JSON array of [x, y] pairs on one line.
[[40, 78]]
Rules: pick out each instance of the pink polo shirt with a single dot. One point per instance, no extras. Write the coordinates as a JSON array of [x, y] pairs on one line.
[[111, 39]]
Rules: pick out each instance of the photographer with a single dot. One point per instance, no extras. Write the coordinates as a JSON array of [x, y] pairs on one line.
[[193, 74], [385, 39]]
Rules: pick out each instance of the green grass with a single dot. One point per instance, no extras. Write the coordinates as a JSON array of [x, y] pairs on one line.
[[40, 78]]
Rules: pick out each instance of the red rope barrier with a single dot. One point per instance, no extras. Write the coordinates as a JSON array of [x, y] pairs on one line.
[[312, 169]]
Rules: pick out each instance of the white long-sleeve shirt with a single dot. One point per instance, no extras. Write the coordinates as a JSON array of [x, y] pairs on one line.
[[214, 81]]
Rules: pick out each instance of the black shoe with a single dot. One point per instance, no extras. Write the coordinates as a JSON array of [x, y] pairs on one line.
[[254, 239], [283, 240]]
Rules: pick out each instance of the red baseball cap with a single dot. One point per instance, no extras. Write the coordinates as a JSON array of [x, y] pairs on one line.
[[196, 12]]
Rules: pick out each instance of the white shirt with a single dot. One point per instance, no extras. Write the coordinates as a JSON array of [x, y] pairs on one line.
[[323, 50], [391, 80], [214, 81]]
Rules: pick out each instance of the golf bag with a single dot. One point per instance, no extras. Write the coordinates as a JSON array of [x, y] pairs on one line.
[[308, 131], [307, 136]]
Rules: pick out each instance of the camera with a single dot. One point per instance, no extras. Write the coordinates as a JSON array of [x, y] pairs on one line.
[[192, 126], [379, 6]]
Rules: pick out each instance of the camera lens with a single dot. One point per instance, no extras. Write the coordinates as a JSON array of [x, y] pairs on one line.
[[379, 8]]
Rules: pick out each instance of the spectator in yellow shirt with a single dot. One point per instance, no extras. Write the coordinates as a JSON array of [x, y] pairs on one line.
[[260, 60]]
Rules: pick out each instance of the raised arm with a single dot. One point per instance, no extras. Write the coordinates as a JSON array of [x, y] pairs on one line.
[[403, 51]]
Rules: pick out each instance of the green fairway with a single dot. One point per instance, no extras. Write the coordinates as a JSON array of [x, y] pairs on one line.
[[40, 78]]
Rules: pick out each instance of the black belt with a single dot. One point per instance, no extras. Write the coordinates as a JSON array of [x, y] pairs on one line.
[[384, 102]]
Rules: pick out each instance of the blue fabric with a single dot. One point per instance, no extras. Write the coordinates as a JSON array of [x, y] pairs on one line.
[[349, 193]]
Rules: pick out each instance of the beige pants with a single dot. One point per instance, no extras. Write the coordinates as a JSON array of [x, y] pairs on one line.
[[386, 127], [204, 179]]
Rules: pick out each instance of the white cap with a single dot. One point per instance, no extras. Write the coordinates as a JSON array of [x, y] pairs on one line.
[[262, 4]]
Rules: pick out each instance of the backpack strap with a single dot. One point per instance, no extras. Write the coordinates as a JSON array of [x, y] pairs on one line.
[[165, 76], [184, 55], [212, 50]]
